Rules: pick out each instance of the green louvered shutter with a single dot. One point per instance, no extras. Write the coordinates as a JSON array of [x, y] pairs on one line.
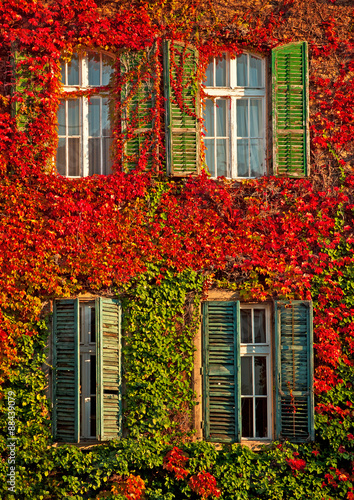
[[138, 102], [290, 110], [182, 109], [109, 397], [294, 371], [221, 367], [66, 422]]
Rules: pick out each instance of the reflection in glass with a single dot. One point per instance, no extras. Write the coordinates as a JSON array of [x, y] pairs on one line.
[[94, 69], [221, 117], [255, 72], [61, 156], [92, 396], [246, 375], [94, 156], [73, 71], [259, 326], [94, 117], [209, 156], [107, 160], [242, 71], [256, 157], [209, 82], [256, 118], [260, 375], [246, 326], [221, 157], [242, 117], [220, 71], [73, 117], [247, 417], [106, 123], [61, 119], [107, 70], [242, 158], [74, 156], [209, 118]]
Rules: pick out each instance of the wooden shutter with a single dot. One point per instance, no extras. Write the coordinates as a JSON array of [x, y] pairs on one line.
[[294, 371], [66, 422], [221, 365], [290, 110], [138, 97], [182, 109], [109, 412]]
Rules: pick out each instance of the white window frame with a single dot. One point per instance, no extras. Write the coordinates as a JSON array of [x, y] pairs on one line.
[[234, 93], [83, 108], [258, 349]]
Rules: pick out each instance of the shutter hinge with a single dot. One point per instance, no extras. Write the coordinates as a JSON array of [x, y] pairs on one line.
[[202, 424], [201, 370]]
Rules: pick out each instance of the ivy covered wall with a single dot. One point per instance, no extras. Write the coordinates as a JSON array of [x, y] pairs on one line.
[[159, 243]]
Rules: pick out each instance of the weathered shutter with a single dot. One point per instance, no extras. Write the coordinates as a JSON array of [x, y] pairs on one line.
[[109, 397], [221, 365], [138, 98], [66, 422], [294, 371], [290, 110], [182, 109]]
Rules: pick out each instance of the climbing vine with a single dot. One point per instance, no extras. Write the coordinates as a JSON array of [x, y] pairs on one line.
[[159, 243]]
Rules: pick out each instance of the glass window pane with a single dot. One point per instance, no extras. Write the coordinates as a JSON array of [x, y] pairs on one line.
[[62, 72], [209, 156], [93, 324], [209, 74], [94, 117], [255, 72], [73, 71], [107, 157], [221, 158], [209, 118], [221, 114], [61, 156], [92, 396], [246, 326], [260, 375], [247, 417], [94, 156], [242, 117], [106, 123], [259, 326], [94, 69], [74, 156], [256, 118], [242, 70], [242, 158], [257, 157], [61, 119], [261, 418], [74, 117], [107, 69], [246, 375], [220, 71]]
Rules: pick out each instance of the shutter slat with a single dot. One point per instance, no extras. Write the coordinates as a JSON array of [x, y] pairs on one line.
[[181, 118], [222, 403], [109, 369], [66, 371], [294, 371], [290, 110]]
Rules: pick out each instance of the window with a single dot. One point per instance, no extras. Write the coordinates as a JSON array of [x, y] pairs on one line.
[[236, 124], [235, 116], [87, 369], [84, 126], [239, 373]]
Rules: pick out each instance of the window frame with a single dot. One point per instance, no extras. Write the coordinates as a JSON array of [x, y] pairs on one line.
[[69, 93], [234, 93], [266, 350]]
